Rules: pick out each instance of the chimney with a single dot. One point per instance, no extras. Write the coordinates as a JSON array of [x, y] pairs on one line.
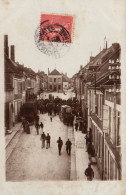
[[6, 50], [106, 45], [91, 58], [81, 67], [12, 53], [48, 71], [65, 74]]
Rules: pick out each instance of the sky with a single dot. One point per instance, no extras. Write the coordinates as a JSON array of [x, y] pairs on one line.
[[93, 21]]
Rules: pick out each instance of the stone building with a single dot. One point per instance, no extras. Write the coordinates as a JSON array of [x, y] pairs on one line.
[[55, 81], [13, 86], [98, 89]]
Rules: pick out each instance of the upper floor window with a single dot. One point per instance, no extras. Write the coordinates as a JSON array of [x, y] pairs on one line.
[[50, 79], [50, 86], [17, 87], [54, 79], [96, 104]]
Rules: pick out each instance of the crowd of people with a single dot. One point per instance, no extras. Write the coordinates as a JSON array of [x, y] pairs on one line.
[[53, 105]]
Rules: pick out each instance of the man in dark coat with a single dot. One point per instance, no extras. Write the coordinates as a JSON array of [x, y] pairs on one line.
[[89, 173], [43, 138], [48, 141], [41, 125], [37, 128], [24, 124], [68, 147], [60, 143], [76, 126]]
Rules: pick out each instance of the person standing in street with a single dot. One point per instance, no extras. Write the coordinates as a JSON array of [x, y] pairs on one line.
[[76, 126], [37, 128], [43, 138], [41, 126], [24, 124], [51, 118], [89, 173], [48, 141], [68, 147], [60, 144], [37, 118], [27, 127]]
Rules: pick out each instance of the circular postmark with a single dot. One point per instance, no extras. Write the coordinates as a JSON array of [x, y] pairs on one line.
[[52, 39]]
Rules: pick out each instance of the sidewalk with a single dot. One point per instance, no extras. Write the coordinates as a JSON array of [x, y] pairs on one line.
[[15, 135], [82, 159], [73, 175], [14, 130]]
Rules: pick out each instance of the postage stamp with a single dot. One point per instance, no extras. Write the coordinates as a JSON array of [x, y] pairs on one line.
[[54, 35]]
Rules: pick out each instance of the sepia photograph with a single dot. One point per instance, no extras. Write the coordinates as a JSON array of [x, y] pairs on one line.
[[62, 79]]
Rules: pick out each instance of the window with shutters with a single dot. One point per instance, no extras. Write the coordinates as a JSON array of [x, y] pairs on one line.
[[106, 119], [15, 87], [50, 86], [96, 104]]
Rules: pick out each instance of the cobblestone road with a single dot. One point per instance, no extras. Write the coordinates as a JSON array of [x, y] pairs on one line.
[[29, 161]]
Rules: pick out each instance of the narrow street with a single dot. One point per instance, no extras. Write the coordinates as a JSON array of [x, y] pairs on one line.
[[29, 161]]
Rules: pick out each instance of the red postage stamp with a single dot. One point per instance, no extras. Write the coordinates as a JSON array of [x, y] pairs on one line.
[[53, 36], [56, 28]]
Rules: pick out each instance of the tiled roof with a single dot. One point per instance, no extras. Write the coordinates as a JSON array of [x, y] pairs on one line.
[[54, 72], [64, 79]]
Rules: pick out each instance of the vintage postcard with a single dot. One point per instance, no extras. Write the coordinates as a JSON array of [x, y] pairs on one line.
[[62, 97]]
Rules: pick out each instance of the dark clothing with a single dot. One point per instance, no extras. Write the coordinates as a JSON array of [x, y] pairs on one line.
[[68, 147], [48, 141], [28, 129], [89, 173], [43, 137], [48, 138], [87, 139], [90, 149], [37, 118], [37, 127], [76, 126], [60, 143], [24, 124], [41, 125]]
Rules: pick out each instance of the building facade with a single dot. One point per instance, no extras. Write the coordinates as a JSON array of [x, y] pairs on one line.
[[21, 85], [97, 88], [55, 81]]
